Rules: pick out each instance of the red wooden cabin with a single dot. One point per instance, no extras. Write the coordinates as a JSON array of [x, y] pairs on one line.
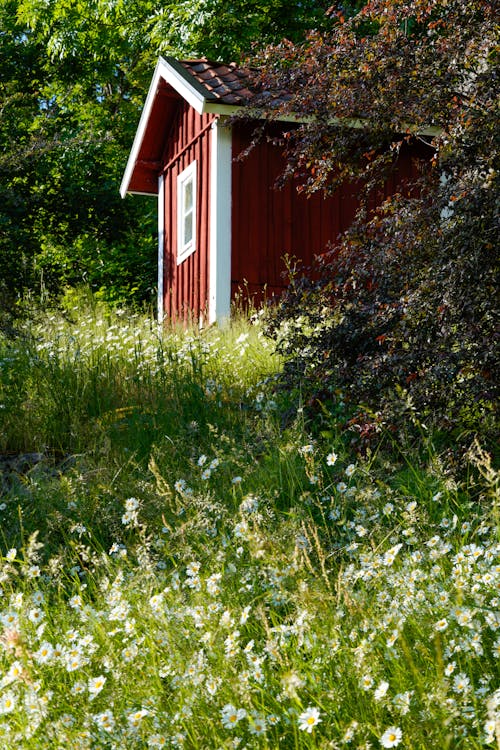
[[222, 225]]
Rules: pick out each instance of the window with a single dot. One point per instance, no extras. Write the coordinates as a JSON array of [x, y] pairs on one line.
[[186, 213]]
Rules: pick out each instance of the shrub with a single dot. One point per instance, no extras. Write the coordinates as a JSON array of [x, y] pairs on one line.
[[404, 304]]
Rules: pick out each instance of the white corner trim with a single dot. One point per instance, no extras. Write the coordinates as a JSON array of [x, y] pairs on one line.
[[161, 246], [219, 297]]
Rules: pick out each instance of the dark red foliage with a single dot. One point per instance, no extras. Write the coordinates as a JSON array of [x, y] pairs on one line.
[[403, 310]]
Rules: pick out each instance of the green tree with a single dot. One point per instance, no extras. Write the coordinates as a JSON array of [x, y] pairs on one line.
[[73, 79]]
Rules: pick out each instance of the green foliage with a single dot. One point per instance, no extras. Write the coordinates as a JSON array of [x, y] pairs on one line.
[[65, 134], [404, 305], [228, 31], [73, 79]]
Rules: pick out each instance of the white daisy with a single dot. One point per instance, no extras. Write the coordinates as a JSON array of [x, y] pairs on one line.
[[309, 718], [96, 684], [391, 737]]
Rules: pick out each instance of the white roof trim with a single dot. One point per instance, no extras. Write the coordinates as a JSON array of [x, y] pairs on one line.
[[139, 135], [172, 75]]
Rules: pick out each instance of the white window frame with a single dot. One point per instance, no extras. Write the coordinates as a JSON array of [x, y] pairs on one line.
[[186, 248]]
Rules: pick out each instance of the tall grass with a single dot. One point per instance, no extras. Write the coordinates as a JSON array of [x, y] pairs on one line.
[[179, 570]]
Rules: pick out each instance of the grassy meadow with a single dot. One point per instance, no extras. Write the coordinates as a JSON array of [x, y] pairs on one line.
[[183, 567]]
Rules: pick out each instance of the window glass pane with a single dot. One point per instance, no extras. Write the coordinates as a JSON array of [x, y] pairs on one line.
[[188, 195], [188, 227], [186, 213]]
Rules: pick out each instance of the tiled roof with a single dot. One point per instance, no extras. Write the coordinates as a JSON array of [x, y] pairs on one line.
[[226, 83]]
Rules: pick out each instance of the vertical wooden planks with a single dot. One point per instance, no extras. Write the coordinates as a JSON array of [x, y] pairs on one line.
[[186, 283]]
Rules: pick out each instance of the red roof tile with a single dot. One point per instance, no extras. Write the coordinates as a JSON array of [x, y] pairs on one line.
[[227, 83]]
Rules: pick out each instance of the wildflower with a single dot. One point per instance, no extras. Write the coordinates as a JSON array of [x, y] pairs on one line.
[[231, 643], [202, 460], [461, 683], [402, 702], [35, 615], [236, 480], [193, 568], [135, 717], [129, 518], [213, 584], [212, 685], [44, 653], [441, 624], [78, 688], [490, 728], [249, 504], [331, 458], [392, 638], [366, 681], [258, 725], [341, 487], [73, 661], [244, 614], [11, 554], [15, 672], [390, 555], [391, 737], [157, 740], [7, 703], [380, 693], [226, 619], [105, 720], [96, 684], [350, 470], [156, 602], [464, 617], [309, 718], [240, 529], [131, 504], [178, 739], [231, 715], [194, 582], [306, 449], [450, 668], [76, 602]]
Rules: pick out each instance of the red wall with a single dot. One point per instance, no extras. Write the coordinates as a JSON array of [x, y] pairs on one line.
[[268, 223], [186, 285]]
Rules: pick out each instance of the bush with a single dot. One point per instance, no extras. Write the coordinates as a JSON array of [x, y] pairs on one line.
[[402, 306], [400, 315]]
